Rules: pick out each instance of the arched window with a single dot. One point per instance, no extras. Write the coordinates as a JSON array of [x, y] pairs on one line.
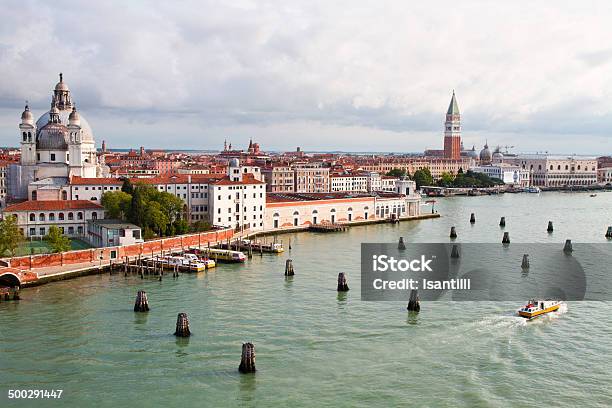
[[41, 217], [551, 166], [94, 215], [79, 215], [64, 195], [70, 216], [32, 217], [25, 136], [34, 195], [296, 213], [60, 216], [566, 167], [51, 217]]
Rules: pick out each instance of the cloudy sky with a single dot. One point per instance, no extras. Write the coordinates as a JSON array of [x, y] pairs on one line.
[[328, 75]]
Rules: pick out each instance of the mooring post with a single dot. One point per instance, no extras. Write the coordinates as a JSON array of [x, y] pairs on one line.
[[609, 232], [289, 268], [342, 283], [455, 252], [182, 326], [247, 359], [506, 238], [525, 263], [567, 248], [401, 245], [16, 294], [472, 218], [502, 222], [550, 227], [142, 303], [414, 304], [453, 233]]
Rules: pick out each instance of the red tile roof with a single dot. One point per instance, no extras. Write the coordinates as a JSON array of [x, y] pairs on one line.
[[247, 178], [82, 181], [55, 205]]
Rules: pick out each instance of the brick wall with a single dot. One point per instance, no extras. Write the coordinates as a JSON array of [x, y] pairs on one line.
[[93, 254]]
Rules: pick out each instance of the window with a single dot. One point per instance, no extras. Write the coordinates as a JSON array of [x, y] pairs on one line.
[[32, 217], [94, 215], [34, 195], [32, 231], [70, 230], [70, 216], [52, 217], [42, 231], [80, 230], [52, 156], [61, 216], [79, 216], [41, 217]]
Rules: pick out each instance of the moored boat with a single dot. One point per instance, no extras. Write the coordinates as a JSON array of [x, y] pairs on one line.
[[224, 255], [535, 308]]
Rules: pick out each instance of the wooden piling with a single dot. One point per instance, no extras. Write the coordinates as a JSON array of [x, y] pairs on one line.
[[567, 248], [342, 283], [16, 294], [502, 222], [525, 263], [609, 232], [142, 303], [414, 303], [182, 326], [506, 238], [247, 360], [472, 218], [401, 245], [550, 227], [455, 252], [289, 268], [453, 233]]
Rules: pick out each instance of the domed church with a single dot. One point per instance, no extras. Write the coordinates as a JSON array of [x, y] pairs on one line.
[[59, 145]]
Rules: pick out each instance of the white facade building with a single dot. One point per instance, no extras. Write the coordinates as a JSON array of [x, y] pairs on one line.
[[509, 174], [557, 171]]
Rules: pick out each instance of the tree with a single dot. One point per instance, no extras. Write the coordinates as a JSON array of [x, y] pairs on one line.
[[446, 180], [423, 177], [10, 236], [127, 186], [117, 204], [397, 173], [181, 227], [200, 226], [57, 240]]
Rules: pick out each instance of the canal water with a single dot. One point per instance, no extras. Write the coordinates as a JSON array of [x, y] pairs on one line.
[[315, 347]]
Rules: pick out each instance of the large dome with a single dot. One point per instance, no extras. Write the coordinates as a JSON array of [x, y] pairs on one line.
[[485, 154], [52, 136], [64, 114]]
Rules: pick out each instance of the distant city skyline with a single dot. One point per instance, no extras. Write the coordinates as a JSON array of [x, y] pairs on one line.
[[346, 76]]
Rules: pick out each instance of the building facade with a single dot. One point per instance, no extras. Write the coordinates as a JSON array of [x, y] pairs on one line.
[[557, 171], [108, 233], [34, 218], [311, 179]]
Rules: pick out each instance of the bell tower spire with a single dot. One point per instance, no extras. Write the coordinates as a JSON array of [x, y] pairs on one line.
[[452, 130]]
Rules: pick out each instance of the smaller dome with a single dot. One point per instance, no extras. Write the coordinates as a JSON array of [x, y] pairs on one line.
[[472, 153], [26, 116], [53, 136], [234, 163], [74, 118], [485, 154], [61, 85]]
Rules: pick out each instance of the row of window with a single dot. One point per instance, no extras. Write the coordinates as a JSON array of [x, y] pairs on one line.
[[43, 231], [61, 217]]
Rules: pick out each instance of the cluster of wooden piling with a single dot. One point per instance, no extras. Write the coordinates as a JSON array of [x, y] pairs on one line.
[[5, 294], [247, 359], [142, 303], [289, 268], [342, 283]]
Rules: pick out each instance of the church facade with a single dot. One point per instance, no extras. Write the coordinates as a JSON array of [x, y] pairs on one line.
[[57, 146]]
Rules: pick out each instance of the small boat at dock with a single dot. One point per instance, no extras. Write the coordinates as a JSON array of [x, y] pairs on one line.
[[535, 308], [182, 263], [222, 255]]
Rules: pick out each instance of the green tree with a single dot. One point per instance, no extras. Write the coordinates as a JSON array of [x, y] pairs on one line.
[[423, 177], [10, 236], [446, 180], [181, 227], [117, 204], [127, 186], [200, 226], [397, 173], [57, 240]]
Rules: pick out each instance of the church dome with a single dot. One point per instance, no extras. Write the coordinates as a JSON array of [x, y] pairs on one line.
[[485, 154], [52, 136], [472, 153], [234, 163], [26, 116], [61, 85], [86, 132], [74, 118]]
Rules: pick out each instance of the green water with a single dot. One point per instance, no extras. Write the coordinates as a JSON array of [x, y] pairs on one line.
[[315, 347]]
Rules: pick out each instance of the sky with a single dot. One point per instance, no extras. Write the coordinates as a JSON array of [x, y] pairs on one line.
[[323, 75]]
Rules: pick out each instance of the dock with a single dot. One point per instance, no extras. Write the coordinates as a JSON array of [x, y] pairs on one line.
[[328, 227]]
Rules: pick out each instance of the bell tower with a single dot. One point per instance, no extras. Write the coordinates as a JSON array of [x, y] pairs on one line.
[[27, 129], [452, 131]]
